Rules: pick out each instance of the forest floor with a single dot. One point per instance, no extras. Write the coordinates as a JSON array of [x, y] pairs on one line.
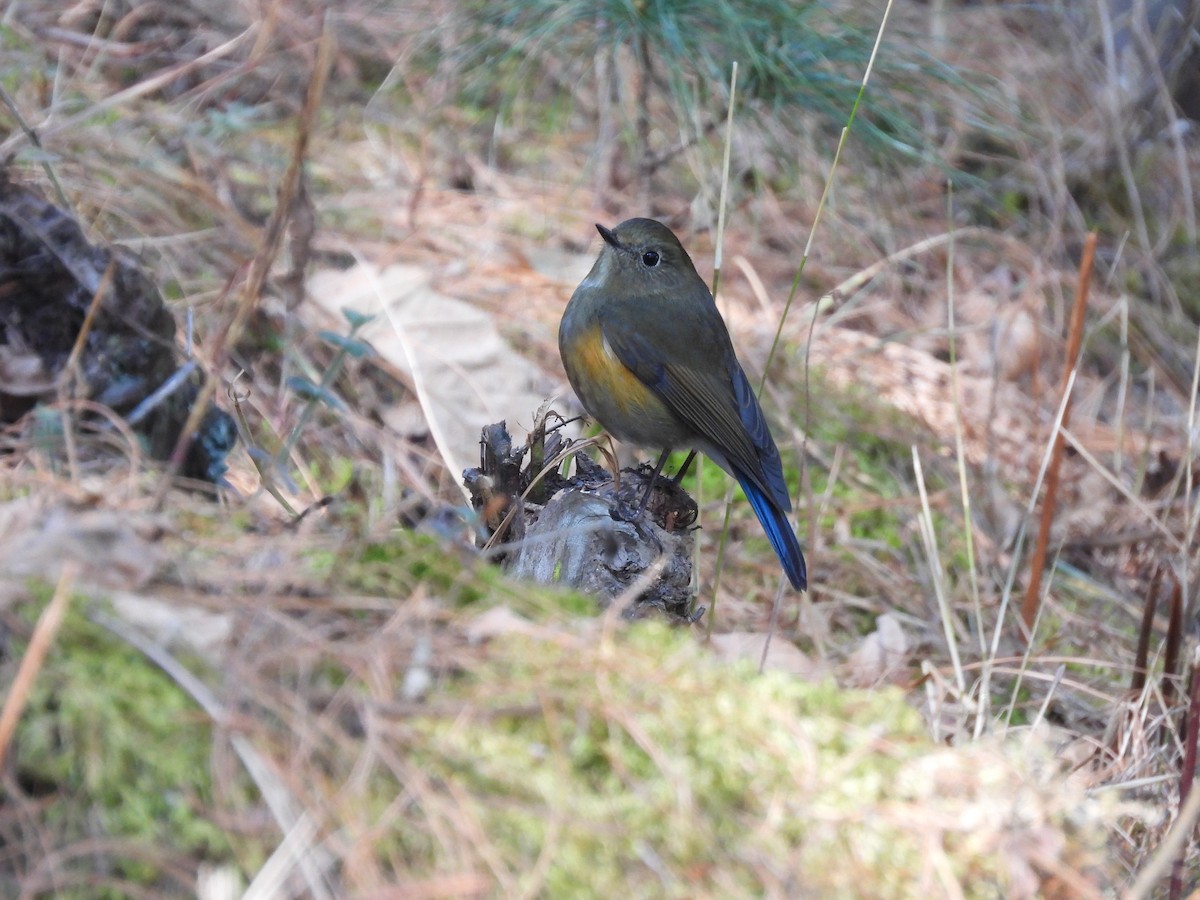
[[313, 684]]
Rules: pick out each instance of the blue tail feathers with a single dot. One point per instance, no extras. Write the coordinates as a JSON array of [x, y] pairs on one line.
[[779, 531]]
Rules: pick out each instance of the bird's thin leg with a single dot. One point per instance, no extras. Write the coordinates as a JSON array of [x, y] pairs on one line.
[[687, 463], [662, 461]]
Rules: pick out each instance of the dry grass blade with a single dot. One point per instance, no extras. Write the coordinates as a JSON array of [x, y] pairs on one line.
[[937, 575], [1191, 519], [36, 141], [719, 250], [1164, 856], [766, 650], [272, 877], [141, 89], [1041, 713], [721, 203], [862, 277], [421, 388], [722, 546], [1135, 502], [960, 456]]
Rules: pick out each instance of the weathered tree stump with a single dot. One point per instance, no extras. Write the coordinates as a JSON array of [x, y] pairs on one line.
[[586, 530]]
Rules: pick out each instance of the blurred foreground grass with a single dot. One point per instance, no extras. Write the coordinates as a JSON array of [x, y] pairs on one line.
[[541, 754]]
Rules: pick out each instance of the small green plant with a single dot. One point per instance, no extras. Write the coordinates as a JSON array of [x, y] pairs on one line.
[[640, 54], [274, 468]]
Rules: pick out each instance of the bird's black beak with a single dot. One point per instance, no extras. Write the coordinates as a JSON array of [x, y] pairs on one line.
[[609, 237]]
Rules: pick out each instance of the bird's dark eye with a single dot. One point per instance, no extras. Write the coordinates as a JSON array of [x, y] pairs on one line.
[[650, 258]]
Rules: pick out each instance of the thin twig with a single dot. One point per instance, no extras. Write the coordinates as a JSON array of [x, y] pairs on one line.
[[1188, 773], [1029, 607], [1141, 660], [68, 375], [35, 655], [260, 266]]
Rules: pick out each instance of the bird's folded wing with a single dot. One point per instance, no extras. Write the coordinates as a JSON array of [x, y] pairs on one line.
[[719, 406]]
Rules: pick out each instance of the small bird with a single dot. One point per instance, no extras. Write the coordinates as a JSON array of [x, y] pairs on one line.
[[650, 358]]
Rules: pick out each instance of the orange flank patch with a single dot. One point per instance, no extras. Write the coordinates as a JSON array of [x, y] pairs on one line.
[[606, 376]]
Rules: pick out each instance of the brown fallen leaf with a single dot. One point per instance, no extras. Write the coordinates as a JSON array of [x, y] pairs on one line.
[[501, 620], [782, 655], [881, 658], [35, 541], [461, 369]]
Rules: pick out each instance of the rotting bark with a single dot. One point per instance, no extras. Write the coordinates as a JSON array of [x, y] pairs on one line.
[[79, 321]]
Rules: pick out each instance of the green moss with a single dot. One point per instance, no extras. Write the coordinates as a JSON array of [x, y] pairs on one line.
[[704, 479], [644, 767], [408, 559], [332, 475], [1182, 267], [395, 566], [119, 750]]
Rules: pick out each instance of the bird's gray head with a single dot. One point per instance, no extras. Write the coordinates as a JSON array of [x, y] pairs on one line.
[[645, 251]]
